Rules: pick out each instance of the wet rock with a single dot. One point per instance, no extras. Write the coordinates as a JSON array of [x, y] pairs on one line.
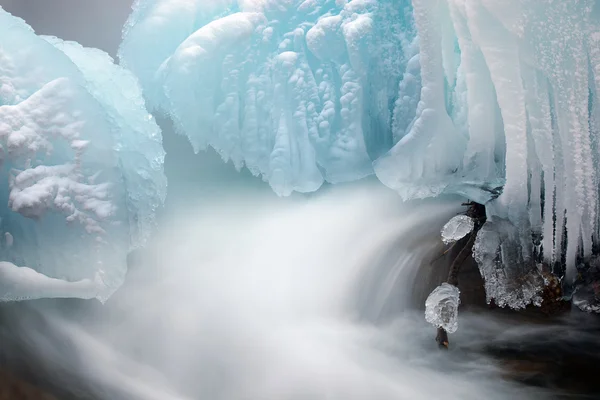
[[13, 388]]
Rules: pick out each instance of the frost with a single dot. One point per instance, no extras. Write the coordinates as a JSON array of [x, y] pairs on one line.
[[441, 307], [82, 163], [510, 279], [457, 228]]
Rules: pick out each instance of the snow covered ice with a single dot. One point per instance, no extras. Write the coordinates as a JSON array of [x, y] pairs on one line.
[[299, 92], [494, 100], [441, 307], [457, 228], [82, 165], [510, 278]]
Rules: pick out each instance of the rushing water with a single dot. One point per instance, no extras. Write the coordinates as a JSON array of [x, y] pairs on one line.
[[244, 296], [249, 297]]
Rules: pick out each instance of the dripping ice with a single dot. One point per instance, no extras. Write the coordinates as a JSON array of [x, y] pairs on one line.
[[441, 307], [494, 101]]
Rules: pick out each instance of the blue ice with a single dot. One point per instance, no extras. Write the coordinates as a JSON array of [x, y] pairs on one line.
[[82, 163], [494, 100]]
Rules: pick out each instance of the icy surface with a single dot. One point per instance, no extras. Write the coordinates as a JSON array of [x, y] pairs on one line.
[[23, 283], [457, 228], [82, 166], [299, 92], [441, 307], [510, 280], [493, 100]]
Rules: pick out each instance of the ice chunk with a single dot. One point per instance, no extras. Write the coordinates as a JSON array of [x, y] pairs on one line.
[[82, 162], [23, 283], [457, 228], [138, 139], [441, 307]]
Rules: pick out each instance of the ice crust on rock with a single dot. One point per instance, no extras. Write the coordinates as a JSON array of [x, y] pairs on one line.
[[441, 307], [510, 279], [497, 101], [587, 293], [587, 299], [457, 228], [82, 165]]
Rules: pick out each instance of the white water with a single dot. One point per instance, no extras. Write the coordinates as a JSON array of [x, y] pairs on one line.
[[256, 298]]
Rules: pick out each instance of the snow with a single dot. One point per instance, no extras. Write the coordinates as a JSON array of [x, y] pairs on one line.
[[457, 228], [23, 283], [82, 166], [441, 307]]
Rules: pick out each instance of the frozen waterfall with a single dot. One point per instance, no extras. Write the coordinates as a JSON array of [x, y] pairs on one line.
[[495, 101], [375, 172]]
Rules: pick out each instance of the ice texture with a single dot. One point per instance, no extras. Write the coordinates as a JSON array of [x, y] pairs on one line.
[[457, 228], [441, 307], [494, 100], [299, 92], [510, 279], [82, 163]]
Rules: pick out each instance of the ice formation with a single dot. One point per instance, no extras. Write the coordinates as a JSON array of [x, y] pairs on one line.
[[493, 100], [297, 91], [510, 279], [457, 228], [441, 307], [82, 167]]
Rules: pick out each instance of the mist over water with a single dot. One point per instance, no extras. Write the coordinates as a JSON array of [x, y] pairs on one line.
[[245, 296], [254, 297]]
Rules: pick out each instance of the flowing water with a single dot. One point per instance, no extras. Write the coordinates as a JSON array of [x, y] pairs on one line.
[[250, 297], [243, 296]]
